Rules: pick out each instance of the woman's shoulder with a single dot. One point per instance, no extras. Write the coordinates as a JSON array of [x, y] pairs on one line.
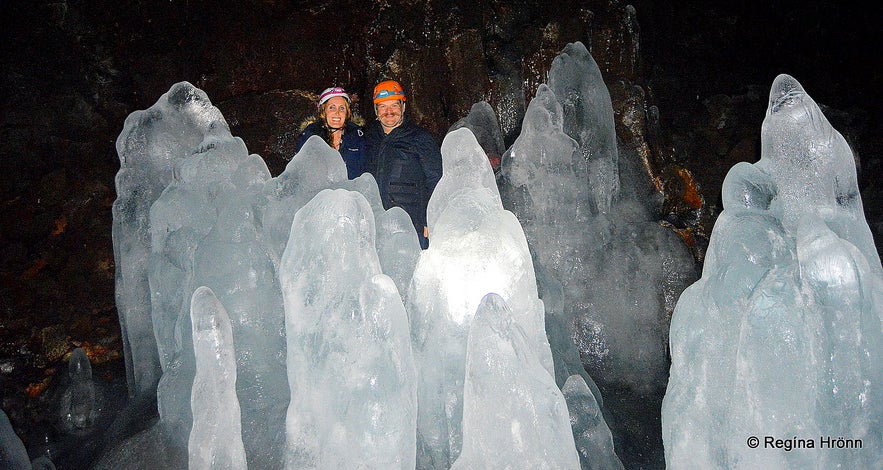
[[311, 126]]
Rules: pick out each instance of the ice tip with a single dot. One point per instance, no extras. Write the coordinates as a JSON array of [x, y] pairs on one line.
[[785, 90]]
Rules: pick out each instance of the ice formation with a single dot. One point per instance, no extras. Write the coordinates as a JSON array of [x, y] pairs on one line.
[[510, 399], [13, 454], [151, 143], [353, 347], [483, 123], [216, 438], [608, 272], [777, 351], [592, 436], [477, 247], [79, 401], [350, 366]]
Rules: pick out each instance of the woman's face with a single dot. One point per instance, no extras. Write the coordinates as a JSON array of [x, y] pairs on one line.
[[335, 110]]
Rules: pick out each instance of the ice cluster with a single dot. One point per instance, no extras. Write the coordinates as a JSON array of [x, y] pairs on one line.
[[294, 323], [777, 352], [608, 272]]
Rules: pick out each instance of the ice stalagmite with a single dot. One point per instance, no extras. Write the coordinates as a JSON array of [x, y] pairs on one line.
[[777, 352], [514, 416], [482, 121], [350, 366], [476, 248], [216, 437], [205, 231], [592, 436], [576, 81], [79, 402], [607, 270], [13, 454], [151, 142]]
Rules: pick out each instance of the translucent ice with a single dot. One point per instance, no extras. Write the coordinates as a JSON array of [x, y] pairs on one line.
[[608, 271], [576, 81], [316, 167], [781, 338], [477, 248], [216, 436], [812, 166], [350, 366], [514, 416], [151, 142], [482, 121], [13, 454], [594, 443], [79, 401], [205, 231], [308, 267]]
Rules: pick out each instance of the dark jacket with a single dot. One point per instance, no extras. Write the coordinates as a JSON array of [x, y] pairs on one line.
[[407, 165], [352, 147]]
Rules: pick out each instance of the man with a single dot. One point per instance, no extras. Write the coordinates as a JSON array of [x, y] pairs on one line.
[[403, 157]]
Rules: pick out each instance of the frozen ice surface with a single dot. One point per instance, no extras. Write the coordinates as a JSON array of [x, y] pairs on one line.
[[350, 365], [514, 415], [150, 144], [482, 121], [609, 271], [79, 401], [477, 248], [576, 81], [13, 455], [216, 437], [205, 231], [781, 337], [315, 167], [593, 439]]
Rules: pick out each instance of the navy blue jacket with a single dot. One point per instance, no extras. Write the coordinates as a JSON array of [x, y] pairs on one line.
[[352, 146], [407, 165]]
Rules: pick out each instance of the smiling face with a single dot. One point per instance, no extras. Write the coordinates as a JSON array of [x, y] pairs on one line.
[[389, 113], [335, 111]]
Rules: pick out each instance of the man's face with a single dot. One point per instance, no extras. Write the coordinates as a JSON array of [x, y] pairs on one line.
[[389, 113]]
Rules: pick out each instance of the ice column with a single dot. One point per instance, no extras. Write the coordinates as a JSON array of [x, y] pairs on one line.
[[606, 267], [514, 416], [13, 454], [149, 145], [205, 232], [216, 438], [780, 339], [79, 405], [592, 436], [482, 121], [477, 248], [576, 81], [350, 367]]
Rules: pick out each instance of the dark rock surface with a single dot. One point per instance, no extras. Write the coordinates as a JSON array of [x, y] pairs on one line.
[[689, 82]]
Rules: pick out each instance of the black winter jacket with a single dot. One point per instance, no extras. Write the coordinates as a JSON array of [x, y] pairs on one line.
[[407, 165]]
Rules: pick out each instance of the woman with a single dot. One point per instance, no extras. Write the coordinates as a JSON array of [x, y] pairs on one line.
[[336, 126]]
